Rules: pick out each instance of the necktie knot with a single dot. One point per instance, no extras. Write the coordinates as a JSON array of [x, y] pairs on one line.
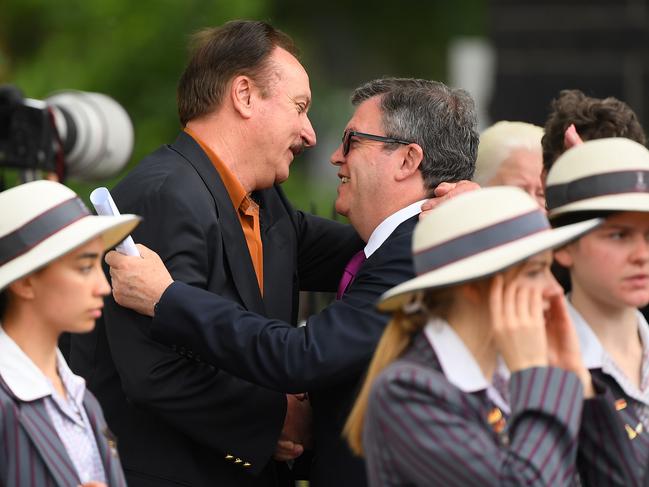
[[349, 273]]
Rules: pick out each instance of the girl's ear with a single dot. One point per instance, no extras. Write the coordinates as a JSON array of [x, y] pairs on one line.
[[564, 257], [474, 292], [23, 288]]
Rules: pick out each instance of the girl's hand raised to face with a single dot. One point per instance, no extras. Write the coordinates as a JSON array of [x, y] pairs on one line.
[[518, 323], [563, 343]]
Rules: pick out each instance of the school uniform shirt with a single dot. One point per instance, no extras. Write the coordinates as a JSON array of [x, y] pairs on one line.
[[26, 388], [434, 419], [630, 430]]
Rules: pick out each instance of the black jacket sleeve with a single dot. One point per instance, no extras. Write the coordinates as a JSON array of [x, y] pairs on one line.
[[335, 343]]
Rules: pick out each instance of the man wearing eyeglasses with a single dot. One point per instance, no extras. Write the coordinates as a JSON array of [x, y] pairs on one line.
[[405, 138]]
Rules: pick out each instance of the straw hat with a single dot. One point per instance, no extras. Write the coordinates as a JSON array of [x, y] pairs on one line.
[[43, 220], [599, 175], [475, 235]]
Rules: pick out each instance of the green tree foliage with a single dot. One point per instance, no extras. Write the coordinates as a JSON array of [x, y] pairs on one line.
[[135, 52], [132, 51]]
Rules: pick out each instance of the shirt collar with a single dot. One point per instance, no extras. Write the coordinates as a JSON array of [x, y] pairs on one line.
[[233, 186], [22, 376], [387, 226], [25, 379], [459, 365], [74, 385]]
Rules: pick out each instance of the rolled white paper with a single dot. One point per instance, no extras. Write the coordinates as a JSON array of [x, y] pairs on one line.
[[105, 206]]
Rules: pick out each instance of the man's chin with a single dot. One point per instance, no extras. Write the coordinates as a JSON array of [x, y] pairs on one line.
[[340, 209], [280, 178]]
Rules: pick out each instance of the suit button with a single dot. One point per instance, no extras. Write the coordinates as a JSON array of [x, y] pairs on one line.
[[246, 464], [238, 460], [229, 457]]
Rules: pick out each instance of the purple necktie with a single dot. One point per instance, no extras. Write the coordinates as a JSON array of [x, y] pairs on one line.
[[349, 273]]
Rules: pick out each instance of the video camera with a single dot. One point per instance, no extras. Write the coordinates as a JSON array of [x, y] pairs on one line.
[[76, 134]]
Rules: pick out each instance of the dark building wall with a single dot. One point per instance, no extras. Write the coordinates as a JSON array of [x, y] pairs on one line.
[[544, 46]]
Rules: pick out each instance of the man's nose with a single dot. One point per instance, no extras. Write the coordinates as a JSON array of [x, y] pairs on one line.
[[308, 134], [337, 157]]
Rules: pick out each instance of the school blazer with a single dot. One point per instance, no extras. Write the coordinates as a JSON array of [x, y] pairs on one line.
[[33, 455], [613, 448], [421, 430]]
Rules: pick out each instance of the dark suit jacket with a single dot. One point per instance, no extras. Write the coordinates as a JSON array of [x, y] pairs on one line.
[[179, 420], [31, 452], [327, 357], [421, 430]]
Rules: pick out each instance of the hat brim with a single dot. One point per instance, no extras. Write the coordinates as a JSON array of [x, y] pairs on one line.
[[111, 229], [484, 264], [615, 202]]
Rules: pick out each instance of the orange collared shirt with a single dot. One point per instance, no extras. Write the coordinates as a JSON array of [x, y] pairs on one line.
[[247, 210]]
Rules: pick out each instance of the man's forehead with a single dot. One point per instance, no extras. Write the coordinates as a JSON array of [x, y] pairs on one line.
[[287, 65], [367, 116], [281, 55]]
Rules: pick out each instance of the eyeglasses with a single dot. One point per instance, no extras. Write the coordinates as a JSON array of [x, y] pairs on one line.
[[348, 134]]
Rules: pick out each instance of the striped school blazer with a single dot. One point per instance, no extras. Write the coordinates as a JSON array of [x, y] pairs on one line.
[[31, 452], [614, 450], [422, 430]]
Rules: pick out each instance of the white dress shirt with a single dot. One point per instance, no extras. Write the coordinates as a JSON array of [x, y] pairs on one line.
[[387, 226]]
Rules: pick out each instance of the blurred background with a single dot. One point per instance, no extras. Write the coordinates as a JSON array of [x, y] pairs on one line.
[[513, 56]]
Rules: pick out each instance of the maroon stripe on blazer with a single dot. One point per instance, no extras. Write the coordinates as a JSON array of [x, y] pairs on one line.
[[52, 448]]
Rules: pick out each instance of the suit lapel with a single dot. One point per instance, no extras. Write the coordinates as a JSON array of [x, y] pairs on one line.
[[38, 427], [106, 442], [234, 242], [278, 237]]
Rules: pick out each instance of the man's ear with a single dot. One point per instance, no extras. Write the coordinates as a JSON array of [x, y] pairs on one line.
[[411, 161], [564, 257], [241, 94]]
